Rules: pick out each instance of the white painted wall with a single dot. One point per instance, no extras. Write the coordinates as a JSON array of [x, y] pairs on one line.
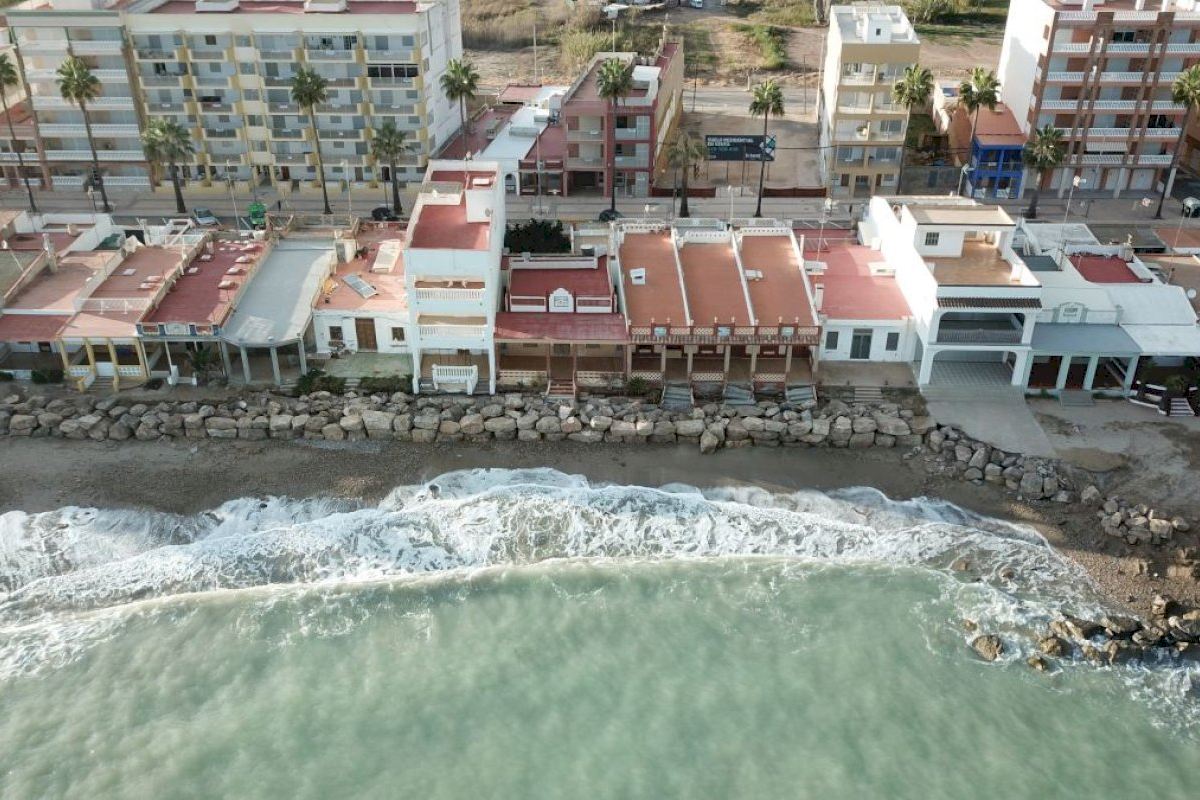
[[1023, 43], [879, 334], [384, 322]]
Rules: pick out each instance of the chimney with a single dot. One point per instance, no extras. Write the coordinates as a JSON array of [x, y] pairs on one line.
[[51, 253]]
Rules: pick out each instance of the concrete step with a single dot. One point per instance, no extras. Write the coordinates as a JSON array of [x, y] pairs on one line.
[[677, 396], [998, 392], [801, 393], [869, 395], [1075, 398], [1180, 408], [561, 390]]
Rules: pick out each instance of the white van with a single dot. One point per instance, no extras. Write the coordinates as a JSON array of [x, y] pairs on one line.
[[696, 3]]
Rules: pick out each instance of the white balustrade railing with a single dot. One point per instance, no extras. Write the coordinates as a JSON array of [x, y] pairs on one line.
[[450, 295]]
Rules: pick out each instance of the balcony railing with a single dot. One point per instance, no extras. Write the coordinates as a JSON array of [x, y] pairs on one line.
[[449, 295], [966, 335], [279, 55], [280, 133], [103, 155], [1123, 133], [632, 161], [221, 133], [733, 334], [625, 134], [585, 135], [162, 80], [103, 129], [96, 47], [393, 56], [453, 331]]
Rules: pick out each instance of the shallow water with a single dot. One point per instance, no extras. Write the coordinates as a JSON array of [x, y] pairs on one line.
[[524, 634]]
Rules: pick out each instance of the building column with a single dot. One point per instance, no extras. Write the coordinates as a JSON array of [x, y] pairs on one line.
[[787, 361], [225, 362], [728, 352], [1090, 376], [1130, 374], [628, 360], [1064, 368], [112, 354], [753, 361], [303, 357], [663, 364], [416, 376], [492, 370], [926, 370], [1021, 368], [245, 363], [275, 365], [689, 362]]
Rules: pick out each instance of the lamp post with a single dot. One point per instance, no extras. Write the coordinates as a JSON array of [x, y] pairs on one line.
[[349, 197], [91, 193], [966, 170], [237, 220], [731, 189], [826, 209], [1076, 182]]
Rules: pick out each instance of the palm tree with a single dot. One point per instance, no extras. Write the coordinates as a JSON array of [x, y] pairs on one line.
[[309, 90], [912, 90], [767, 99], [981, 90], [684, 151], [613, 82], [1186, 92], [9, 78], [1042, 153], [166, 143], [460, 82], [388, 145], [78, 85]]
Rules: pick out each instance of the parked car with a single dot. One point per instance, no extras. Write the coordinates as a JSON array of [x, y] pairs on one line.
[[204, 217], [383, 214], [696, 3], [608, 215]]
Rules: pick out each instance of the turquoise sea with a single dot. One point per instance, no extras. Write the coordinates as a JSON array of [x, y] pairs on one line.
[[523, 634]]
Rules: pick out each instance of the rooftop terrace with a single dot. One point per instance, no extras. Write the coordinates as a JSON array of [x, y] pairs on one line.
[[713, 285], [207, 288], [850, 291], [781, 293], [660, 298], [979, 265]]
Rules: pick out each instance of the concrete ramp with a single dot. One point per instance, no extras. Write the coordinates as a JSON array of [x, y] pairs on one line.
[[1002, 419]]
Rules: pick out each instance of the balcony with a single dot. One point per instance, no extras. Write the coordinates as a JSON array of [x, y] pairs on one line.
[[451, 333], [102, 155], [977, 333], [346, 109], [213, 80], [147, 54], [162, 80], [80, 130], [858, 78], [316, 54], [216, 107], [97, 47], [403, 83], [449, 301], [290, 56], [585, 135], [221, 133], [291, 159], [393, 56], [339, 135], [626, 134], [283, 133], [596, 163], [49, 102], [1119, 159], [642, 161], [211, 54], [177, 106], [1123, 133]]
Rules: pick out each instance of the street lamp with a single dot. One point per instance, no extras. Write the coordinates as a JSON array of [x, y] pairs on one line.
[[731, 188], [966, 170], [826, 210], [349, 198], [237, 220], [1076, 182], [91, 193]]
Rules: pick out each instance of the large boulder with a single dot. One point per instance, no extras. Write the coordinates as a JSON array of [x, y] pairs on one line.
[[1031, 486], [989, 646], [689, 427], [498, 424], [378, 424]]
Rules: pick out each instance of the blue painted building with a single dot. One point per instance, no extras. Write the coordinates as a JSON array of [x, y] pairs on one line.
[[996, 155]]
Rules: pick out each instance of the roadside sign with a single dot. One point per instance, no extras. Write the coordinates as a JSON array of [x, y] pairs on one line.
[[739, 147]]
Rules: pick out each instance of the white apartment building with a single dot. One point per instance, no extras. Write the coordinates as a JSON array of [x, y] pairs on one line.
[[223, 69], [859, 124], [451, 256]]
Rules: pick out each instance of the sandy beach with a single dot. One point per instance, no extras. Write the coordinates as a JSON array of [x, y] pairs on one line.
[[184, 477]]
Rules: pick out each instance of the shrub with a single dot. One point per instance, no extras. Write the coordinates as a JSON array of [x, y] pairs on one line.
[[47, 376], [771, 42], [576, 48], [922, 12], [5, 376], [385, 385], [537, 236], [316, 380], [1177, 385], [636, 386], [152, 384]]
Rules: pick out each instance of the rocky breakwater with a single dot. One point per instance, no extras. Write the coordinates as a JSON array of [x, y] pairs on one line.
[[402, 417]]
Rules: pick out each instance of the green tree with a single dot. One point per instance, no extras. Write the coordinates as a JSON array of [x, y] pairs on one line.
[[1186, 92], [980, 90], [9, 77], [614, 81], [1042, 153], [460, 83], [912, 90], [309, 90], [388, 144], [766, 99], [683, 153], [166, 143], [78, 85]]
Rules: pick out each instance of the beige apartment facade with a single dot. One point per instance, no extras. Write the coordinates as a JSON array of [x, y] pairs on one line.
[[222, 69], [860, 126]]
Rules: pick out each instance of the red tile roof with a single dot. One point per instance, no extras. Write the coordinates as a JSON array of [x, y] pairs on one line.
[[1104, 269], [547, 326], [851, 291], [31, 327], [781, 293], [199, 298], [443, 227]]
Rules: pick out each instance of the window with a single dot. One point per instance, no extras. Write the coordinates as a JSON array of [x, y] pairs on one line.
[[931, 239], [250, 94], [210, 40], [893, 342], [1122, 36], [243, 41], [335, 333], [397, 334], [831, 340], [245, 68]]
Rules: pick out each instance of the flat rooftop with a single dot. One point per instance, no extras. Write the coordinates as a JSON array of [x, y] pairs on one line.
[[280, 7], [534, 282], [848, 18], [1103, 269], [977, 216], [660, 299], [31, 327], [390, 292], [443, 227], [713, 285], [278, 302], [1182, 271], [999, 128], [979, 265], [850, 290], [205, 291], [102, 324], [140, 274], [781, 293], [588, 89], [60, 290]]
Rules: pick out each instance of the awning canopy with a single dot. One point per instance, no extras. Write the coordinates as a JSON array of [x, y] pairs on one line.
[[1061, 339], [1166, 340], [31, 327], [553, 327]]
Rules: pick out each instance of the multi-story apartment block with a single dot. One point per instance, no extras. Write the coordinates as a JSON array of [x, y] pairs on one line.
[[223, 68], [861, 127], [626, 155], [1101, 72]]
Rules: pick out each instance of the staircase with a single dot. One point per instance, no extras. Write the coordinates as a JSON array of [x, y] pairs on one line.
[[425, 386], [799, 393], [1075, 398], [352, 384], [102, 384], [677, 397], [560, 390], [736, 395], [868, 395], [1180, 407]]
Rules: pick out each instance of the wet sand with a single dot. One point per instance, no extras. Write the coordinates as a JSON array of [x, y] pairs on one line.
[[184, 477]]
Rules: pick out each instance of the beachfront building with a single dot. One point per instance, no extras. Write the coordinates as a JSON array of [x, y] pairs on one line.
[[861, 128], [451, 256], [625, 149], [223, 68], [560, 327], [993, 157], [716, 310], [1101, 72], [973, 299]]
